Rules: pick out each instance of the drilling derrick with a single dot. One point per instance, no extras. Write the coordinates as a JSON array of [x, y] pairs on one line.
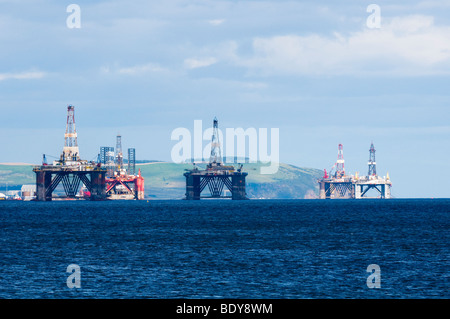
[[107, 159], [372, 162], [216, 152], [71, 153], [119, 154], [131, 161], [340, 169], [216, 176]]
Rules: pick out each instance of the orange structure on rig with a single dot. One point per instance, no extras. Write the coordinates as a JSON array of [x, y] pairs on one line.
[[121, 183], [124, 186]]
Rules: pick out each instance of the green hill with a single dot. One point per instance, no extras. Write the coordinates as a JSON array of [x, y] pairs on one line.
[[14, 176], [166, 180]]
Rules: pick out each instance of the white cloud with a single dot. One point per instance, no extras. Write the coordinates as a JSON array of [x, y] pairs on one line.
[[216, 22], [440, 4], [139, 69], [403, 46], [22, 76], [199, 63], [134, 70]]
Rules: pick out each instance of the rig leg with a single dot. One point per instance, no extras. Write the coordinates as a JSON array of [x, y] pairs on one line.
[[321, 190], [238, 184], [192, 187], [387, 191], [98, 186], [358, 189], [43, 181]]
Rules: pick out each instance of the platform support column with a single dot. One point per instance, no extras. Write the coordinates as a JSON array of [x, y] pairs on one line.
[[358, 189], [43, 181], [192, 187], [322, 190], [238, 186], [387, 191], [98, 186]]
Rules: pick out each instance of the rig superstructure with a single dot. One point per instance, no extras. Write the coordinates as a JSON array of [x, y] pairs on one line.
[[70, 170], [216, 176], [336, 184]]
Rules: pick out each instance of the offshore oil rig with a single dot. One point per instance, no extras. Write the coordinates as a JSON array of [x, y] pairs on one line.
[[105, 179], [121, 183], [216, 176], [337, 184], [70, 170]]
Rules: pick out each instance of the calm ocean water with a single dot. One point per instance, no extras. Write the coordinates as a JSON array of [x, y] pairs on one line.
[[225, 249]]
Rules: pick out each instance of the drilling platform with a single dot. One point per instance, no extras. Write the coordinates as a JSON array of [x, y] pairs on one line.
[[70, 170], [339, 185], [216, 175], [121, 183]]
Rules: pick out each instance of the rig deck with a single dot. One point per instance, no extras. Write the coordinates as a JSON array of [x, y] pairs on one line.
[[48, 177], [216, 178]]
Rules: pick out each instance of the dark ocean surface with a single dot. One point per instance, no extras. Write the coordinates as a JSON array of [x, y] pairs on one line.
[[225, 249]]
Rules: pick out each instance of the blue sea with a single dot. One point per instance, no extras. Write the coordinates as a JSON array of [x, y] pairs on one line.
[[276, 249]]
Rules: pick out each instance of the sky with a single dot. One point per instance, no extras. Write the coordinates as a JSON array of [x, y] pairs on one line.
[[317, 71]]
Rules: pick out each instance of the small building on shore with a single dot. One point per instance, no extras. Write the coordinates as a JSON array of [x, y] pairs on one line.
[[28, 192]]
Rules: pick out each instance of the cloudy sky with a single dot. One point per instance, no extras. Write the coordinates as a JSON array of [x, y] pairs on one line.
[[314, 70]]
